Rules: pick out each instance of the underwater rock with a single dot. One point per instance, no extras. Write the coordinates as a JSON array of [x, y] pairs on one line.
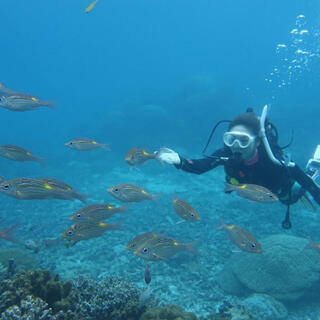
[[169, 312], [265, 307], [228, 282], [284, 270]]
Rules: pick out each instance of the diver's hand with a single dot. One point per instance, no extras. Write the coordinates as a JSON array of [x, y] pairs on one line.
[[168, 156]]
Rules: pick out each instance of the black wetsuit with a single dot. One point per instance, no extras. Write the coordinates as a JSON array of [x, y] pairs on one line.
[[278, 179]]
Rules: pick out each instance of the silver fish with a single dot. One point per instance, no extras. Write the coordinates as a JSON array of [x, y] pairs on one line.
[[18, 154], [81, 231], [184, 210], [138, 156], [22, 103], [241, 237], [163, 248], [127, 192], [62, 186], [253, 192], [85, 144], [96, 212], [30, 188], [140, 240]]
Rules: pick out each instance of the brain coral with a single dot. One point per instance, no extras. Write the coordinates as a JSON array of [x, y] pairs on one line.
[[284, 270]]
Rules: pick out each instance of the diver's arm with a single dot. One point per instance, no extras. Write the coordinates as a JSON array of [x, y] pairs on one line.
[[199, 166], [306, 182]]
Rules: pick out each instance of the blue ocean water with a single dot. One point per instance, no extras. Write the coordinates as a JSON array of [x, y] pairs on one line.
[[151, 74]]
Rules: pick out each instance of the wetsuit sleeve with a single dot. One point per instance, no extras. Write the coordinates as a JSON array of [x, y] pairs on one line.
[[306, 182], [199, 166]]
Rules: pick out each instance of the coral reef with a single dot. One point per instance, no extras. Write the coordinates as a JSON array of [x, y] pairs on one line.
[[39, 295], [38, 284], [109, 298], [285, 270], [33, 309], [169, 312]]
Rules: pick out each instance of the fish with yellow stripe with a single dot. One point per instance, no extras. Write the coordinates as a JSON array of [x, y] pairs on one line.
[[97, 212], [252, 192], [127, 192], [138, 156], [241, 237], [22, 103], [79, 231], [85, 144], [185, 210], [57, 184], [162, 248], [141, 239], [16, 153], [32, 188]]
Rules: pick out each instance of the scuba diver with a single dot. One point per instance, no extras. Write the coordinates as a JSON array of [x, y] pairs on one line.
[[251, 155]]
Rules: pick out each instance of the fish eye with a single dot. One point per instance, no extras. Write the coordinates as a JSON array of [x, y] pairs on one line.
[[115, 189], [5, 187], [253, 245], [70, 233], [192, 214], [145, 250], [78, 215]]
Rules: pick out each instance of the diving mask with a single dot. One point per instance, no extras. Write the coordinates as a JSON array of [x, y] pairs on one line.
[[243, 139]]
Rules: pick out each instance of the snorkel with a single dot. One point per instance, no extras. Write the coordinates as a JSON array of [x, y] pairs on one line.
[[265, 141]]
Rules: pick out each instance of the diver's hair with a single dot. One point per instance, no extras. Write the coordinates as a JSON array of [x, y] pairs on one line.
[[249, 120]]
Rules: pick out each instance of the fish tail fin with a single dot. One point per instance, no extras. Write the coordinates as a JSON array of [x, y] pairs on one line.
[[71, 195], [222, 224], [124, 209], [117, 225], [42, 161], [81, 197], [105, 146], [228, 188], [310, 245], [49, 104], [6, 234], [155, 198], [191, 247]]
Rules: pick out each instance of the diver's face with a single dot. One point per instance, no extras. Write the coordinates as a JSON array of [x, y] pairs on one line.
[[242, 141]]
